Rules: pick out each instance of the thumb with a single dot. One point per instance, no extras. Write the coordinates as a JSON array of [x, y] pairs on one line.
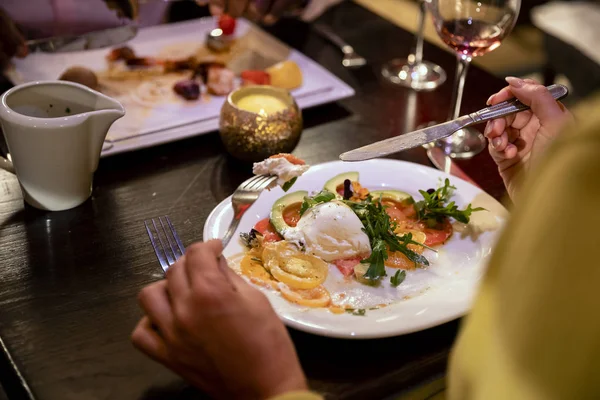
[[538, 98]]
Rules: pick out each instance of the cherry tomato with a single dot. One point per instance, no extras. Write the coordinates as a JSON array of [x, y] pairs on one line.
[[395, 214], [227, 24], [438, 235], [290, 157], [346, 265], [291, 214], [255, 77], [269, 233]]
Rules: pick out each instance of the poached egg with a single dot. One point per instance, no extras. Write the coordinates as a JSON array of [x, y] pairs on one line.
[[330, 231]]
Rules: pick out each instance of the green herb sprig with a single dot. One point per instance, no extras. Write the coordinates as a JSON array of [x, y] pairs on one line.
[[398, 278], [433, 208], [360, 312], [323, 196], [380, 229]]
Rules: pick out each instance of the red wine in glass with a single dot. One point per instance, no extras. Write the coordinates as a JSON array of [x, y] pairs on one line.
[[472, 37]]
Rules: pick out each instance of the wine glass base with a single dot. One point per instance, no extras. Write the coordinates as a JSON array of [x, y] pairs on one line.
[[465, 143], [423, 76]]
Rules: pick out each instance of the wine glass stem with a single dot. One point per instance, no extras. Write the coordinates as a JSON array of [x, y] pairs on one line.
[[462, 65], [420, 33]]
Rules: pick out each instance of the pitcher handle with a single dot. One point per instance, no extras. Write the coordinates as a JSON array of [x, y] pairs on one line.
[[6, 165]]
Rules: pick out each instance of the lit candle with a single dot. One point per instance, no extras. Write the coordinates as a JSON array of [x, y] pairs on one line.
[[262, 104]]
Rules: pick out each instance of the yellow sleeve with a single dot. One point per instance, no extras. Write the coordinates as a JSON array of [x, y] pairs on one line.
[[534, 331], [300, 395]]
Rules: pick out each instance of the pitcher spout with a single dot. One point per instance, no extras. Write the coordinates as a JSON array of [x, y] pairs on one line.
[[106, 112]]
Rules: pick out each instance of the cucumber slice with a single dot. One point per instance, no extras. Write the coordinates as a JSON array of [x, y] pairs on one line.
[[360, 270], [332, 184], [280, 205]]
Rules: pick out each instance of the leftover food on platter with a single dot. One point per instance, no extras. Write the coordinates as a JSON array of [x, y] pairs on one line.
[[81, 75], [197, 75], [364, 237]]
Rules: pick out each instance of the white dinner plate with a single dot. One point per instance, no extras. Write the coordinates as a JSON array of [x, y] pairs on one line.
[[427, 297]]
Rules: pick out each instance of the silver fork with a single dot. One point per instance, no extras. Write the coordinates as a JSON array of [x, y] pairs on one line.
[[165, 241], [351, 58], [243, 197]]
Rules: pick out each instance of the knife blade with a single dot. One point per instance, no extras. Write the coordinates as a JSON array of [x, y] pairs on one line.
[[440, 131], [88, 41]]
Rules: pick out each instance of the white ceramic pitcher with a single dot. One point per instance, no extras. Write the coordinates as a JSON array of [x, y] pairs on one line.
[[54, 131]]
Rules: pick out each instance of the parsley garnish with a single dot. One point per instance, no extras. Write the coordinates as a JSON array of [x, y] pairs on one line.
[[288, 185], [356, 311], [380, 229], [323, 196], [433, 208], [398, 278]]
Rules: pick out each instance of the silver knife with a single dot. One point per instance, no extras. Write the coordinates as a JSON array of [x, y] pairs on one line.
[[440, 131], [88, 41]]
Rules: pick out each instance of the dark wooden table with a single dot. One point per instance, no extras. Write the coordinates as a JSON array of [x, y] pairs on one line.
[[69, 279]]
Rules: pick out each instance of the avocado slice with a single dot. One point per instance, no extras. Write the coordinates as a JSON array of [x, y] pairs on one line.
[[277, 210], [332, 184], [396, 195]]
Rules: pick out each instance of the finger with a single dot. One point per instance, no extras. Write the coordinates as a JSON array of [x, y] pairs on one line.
[[499, 143], [261, 7], [22, 51], [149, 342], [154, 300], [503, 95], [494, 128], [520, 120], [538, 98], [497, 156], [510, 151], [236, 8], [201, 265], [252, 13], [178, 284], [216, 7], [512, 134], [239, 284]]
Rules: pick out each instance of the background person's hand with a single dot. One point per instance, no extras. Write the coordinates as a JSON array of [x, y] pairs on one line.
[[12, 42], [215, 330], [516, 142], [266, 11]]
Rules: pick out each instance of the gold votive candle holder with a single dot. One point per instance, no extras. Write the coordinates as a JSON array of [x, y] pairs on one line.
[[260, 121]]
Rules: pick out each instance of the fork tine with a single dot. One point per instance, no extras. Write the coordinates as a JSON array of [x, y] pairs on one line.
[[170, 259], [172, 243], [175, 236], [157, 249], [249, 182], [267, 182], [259, 182]]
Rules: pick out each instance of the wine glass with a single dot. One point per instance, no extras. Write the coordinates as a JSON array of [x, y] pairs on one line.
[[471, 28], [414, 72]]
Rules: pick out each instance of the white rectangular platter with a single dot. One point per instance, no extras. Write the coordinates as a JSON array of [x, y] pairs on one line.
[[150, 125]]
